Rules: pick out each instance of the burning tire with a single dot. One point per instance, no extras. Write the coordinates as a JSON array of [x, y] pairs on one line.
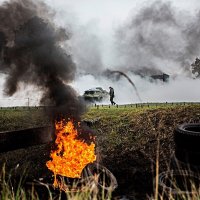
[[75, 185], [187, 140], [95, 180], [103, 178]]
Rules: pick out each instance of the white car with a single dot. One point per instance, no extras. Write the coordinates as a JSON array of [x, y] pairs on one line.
[[95, 94]]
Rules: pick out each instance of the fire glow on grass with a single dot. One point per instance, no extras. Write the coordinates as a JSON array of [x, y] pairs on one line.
[[71, 155]]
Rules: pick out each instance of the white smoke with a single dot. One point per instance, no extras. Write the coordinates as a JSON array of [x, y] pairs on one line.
[[180, 89], [28, 95], [92, 25]]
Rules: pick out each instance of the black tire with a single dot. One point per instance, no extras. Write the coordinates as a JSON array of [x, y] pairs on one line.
[[187, 137], [179, 161], [178, 184], [11, 140], [190, 158], [105, 179]]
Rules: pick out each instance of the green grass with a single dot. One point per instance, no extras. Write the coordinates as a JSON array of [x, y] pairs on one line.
[[21, 118], [132, 125]]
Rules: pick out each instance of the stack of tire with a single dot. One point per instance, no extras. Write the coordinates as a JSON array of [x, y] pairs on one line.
[[184, 174]]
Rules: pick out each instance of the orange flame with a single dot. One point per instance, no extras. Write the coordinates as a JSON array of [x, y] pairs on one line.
[[71, 155]]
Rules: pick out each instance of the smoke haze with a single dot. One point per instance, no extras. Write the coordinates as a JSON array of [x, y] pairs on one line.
[[157, 38], [31, 54], [144, 39]]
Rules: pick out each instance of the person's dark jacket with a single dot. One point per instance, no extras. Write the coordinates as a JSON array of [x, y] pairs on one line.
[[112, 92]]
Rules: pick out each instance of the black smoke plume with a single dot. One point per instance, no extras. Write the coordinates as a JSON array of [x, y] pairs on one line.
[[30, 53]]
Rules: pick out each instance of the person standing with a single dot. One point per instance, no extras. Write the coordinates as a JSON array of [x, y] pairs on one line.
[[112, 95]]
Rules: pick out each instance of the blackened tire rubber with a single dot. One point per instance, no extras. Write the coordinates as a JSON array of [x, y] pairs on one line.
[[191, 158], [104, 178], [187, 137], [17, 139], [178, 184], [187, 143], [185, 161]]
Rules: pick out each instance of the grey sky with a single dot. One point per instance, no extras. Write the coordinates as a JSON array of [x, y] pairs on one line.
[[108, 12], [103, 17]]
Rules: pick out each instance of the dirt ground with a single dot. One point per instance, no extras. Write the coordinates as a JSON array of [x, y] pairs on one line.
[[127, 145], [132, 144]]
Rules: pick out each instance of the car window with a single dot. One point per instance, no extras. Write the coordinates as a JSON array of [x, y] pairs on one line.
[[89, 92]]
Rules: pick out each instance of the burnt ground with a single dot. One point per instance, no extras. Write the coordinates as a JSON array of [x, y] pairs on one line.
[[127, 142]]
